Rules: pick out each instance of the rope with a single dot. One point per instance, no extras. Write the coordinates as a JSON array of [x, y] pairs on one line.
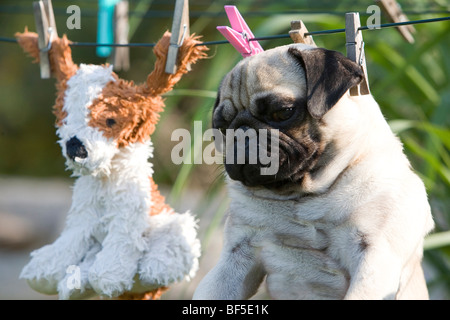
[[152, 14], [281, 36]]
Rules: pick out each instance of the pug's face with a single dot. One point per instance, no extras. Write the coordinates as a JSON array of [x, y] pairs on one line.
[[285, 92]]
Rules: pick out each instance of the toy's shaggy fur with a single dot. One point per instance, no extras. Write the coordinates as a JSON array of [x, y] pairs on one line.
[[120, 234]]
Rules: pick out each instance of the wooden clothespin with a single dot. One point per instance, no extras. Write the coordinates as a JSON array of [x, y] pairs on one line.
[[239, 34], [298, 31], [121, 55], [46, 29], [180, 30], [355, 50], [395, 14]]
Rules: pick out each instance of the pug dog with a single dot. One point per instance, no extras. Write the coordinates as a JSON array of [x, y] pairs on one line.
[[344, 216]]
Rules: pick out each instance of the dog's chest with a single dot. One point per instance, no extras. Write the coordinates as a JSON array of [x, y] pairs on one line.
[[318, 228], [290, 240], [109, 203], [296, 231], [104, 206]]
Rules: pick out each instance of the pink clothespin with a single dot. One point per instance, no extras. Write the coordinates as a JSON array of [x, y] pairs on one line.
[[239, 34]]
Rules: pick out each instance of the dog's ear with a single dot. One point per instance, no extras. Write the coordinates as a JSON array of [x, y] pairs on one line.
[[60, 54], [329, 74]]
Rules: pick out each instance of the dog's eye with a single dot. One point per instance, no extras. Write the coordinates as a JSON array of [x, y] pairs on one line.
[[282, 115], [110, 122]]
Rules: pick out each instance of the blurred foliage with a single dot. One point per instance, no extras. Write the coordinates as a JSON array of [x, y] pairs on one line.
[[410, 82]]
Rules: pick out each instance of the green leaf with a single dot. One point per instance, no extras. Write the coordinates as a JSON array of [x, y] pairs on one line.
[[437, 240]]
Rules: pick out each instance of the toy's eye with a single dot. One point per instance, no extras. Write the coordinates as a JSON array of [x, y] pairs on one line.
[[283, 115], [110, 122]]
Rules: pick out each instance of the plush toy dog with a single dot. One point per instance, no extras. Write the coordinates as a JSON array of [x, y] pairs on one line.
[[120, 236]]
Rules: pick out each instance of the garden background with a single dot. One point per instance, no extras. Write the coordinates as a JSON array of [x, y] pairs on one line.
[[411, 82]]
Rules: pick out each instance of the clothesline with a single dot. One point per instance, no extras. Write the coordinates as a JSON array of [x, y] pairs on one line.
[[281, 36], [17, 9]]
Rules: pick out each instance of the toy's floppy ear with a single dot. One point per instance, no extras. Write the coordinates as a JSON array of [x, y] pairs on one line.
[[159, 82], [60, 54], [29, 43]]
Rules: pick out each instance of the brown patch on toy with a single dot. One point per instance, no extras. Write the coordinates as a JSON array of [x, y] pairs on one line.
[[61, 64], [158, 200], [60, 54], [29, 43], [128, 113], [151, 295], [124, 113], [58, 111]]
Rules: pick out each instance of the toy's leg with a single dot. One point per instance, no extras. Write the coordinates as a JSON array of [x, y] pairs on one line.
[[75, 284], [173, 250], [48, 264], [116, 264], [114, 267]]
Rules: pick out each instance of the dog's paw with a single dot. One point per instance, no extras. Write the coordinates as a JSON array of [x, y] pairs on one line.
[[110, 284], [43, 285], [173, 250], [75, 285], [66, 290], [112, 273], [156, 274], [44, 271]]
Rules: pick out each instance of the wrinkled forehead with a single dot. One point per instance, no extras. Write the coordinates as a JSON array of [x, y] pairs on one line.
[[271, 73]]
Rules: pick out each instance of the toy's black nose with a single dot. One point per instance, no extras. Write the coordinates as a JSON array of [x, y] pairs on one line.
[[74, 148]]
